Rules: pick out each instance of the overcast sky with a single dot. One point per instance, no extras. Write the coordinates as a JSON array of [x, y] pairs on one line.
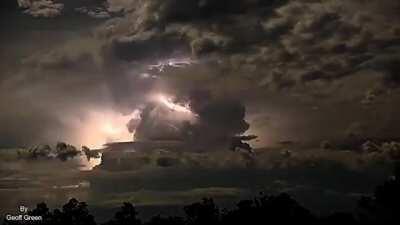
[[303, 71]]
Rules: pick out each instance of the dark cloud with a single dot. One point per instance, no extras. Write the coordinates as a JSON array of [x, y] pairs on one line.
[[218, 122], [388, 64], [224, 117], [96, 12], [147, 45], [159, 22], [167, 162], [177, 10]]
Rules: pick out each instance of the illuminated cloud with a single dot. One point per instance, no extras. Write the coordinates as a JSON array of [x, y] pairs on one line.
[[173, 106], [98, 127], [171, 63], [41, 8]]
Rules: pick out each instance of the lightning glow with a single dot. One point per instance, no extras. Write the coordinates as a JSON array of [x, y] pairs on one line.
[[97, 128], [87, 165], [173, 106], [173, 62]]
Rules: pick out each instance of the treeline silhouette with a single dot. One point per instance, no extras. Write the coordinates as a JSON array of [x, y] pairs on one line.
[[383, 207]]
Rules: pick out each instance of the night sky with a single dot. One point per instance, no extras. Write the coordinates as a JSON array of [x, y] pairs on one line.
[[316, 81]]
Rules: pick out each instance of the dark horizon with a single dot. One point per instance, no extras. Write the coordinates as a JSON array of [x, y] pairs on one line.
[[380, 208]]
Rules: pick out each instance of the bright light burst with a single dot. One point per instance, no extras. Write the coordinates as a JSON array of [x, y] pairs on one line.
[[173, 62], [99, 127], [87, 165], [174, 106]]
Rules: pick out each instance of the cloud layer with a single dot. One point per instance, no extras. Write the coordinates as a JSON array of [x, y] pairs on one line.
[[281, 60]]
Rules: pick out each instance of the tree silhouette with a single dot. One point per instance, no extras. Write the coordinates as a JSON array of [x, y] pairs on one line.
[[43, 211], [384, 205], [281, 209], [127, 215], [158, 220], [339, 218], [76, 213], [205, 212]]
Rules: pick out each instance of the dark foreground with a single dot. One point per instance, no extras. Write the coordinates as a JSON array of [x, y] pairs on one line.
[[383, 207]]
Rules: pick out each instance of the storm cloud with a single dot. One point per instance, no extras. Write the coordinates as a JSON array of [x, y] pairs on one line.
[[209, 122], [317, 81], [281, 60]]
